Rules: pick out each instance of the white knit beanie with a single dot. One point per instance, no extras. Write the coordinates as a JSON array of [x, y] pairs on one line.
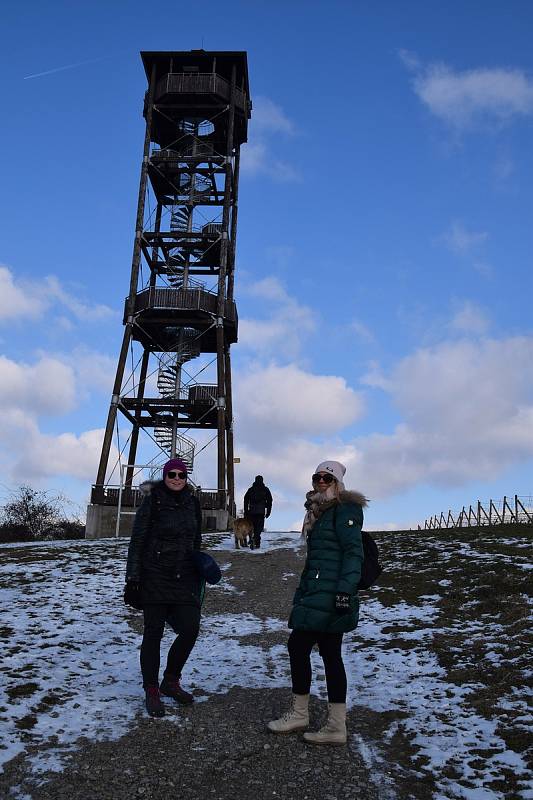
[[334, 468]]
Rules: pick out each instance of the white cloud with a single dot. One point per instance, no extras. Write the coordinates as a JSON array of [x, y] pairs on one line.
[[46, 387], [268, 122], [84, 312], [470, 319], [254, 158], [66, 454], [375, 377], [18, 299], [268, 116], [30, 456], [362, 331], [466, 408], [289, 463], [24, 299], [269, 289], [285, 401], [468, 415], [410, 60], [257, 159], [287, 326], [95, 371], [462, 99], [462, 241]]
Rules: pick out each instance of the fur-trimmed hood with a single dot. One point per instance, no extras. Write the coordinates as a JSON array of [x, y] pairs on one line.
[[146, 486], [351, 496], [316, 504]]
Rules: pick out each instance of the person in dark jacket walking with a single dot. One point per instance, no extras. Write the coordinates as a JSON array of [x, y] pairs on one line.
[[257, 506], [166, 530], [325, 604]]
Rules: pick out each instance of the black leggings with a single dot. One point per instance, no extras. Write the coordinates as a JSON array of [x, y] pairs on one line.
[[185, 621], [300, 645], [258, 521]]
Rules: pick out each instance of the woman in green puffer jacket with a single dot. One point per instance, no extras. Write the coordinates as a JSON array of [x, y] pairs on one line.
[[325, 604]]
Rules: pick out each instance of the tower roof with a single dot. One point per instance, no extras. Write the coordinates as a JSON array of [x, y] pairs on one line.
[[219, 61]]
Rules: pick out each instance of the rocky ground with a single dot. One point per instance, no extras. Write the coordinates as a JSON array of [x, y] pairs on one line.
[[439, 678], [219, 748]]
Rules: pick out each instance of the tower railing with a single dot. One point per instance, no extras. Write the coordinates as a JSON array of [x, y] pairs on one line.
[[132, 496], [198, 83], [191, 299]]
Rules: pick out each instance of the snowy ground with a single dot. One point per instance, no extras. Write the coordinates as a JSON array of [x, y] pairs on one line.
[[430, 648]]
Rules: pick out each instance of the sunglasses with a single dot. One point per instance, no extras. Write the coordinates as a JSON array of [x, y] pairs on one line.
[[173, 474], [326, 478]]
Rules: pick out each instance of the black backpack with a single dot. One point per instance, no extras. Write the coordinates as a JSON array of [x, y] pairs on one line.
[[371, 569]]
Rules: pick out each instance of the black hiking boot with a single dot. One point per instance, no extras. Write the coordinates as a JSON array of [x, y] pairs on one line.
[[170, 687], [154, 706]]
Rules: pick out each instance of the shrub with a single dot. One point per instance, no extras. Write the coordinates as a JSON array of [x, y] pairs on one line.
[[33, 514]]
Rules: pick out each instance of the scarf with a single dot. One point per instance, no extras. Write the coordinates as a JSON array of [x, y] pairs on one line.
[[316, 503]]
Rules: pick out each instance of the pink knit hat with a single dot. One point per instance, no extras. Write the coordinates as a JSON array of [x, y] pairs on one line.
[[174, 463]]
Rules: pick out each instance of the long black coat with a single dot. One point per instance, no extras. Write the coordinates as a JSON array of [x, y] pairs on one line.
[[166, 530], [258, 499]]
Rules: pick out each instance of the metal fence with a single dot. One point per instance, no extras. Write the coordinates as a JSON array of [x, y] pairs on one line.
[[494, 512]]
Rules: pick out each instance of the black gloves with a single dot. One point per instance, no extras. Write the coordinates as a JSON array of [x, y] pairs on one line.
[[132, 593], [342, 603]]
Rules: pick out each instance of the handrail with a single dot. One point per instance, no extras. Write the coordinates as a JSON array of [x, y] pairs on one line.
[[132, 496], [198, 83], [174, 298]]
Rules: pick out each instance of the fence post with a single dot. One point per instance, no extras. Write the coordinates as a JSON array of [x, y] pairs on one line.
[[526, 512], [506, 504], [492, 506], [479, 512]]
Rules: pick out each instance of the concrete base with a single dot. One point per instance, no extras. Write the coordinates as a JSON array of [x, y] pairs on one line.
[[102, 521], [215, 520]]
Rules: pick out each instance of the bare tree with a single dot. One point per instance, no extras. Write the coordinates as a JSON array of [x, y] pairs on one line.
[[36, 514]]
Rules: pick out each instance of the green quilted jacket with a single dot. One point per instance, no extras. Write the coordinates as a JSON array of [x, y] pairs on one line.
[[333, 564]]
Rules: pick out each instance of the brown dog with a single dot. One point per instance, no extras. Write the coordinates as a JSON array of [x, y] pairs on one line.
[[244, 533]]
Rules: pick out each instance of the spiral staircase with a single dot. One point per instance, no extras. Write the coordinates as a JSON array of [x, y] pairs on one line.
[[169, 387]]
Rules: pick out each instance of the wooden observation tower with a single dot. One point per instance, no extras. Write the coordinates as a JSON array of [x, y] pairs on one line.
[[180, 315]]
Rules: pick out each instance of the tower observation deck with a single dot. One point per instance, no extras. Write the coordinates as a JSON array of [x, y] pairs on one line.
[[180, 317]]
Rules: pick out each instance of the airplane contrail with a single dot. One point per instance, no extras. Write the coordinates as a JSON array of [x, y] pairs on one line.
[[68, 66]]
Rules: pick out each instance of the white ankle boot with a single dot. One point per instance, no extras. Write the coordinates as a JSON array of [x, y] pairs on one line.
[[334, 731], [294, 720]]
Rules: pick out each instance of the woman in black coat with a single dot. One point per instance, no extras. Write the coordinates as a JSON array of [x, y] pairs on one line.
[[166, 530]]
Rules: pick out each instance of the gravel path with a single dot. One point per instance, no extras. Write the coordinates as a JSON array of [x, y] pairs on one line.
[[219, 748]]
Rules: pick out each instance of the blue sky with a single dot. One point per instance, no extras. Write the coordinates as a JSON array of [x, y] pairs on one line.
[[383, 265]]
